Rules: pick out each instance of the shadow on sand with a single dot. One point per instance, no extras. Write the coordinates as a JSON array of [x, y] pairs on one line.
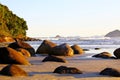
[[84, 75]]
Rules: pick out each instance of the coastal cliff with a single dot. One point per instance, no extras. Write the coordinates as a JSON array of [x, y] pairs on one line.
[[11, 25]]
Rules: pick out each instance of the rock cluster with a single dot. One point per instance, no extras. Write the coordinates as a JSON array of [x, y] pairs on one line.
[[17, 52], [48, 47], [21, 44]]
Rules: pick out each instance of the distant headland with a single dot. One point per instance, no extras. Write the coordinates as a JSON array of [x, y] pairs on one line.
[[115, 33]]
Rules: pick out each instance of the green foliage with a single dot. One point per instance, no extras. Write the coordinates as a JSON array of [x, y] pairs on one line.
[[10, 24]]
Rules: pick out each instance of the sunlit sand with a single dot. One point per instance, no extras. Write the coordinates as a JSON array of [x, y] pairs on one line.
[[44, 70]]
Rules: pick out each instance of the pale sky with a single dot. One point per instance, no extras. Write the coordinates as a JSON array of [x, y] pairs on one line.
[[67, 17]]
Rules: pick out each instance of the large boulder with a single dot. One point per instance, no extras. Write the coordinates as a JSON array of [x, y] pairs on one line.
[[117, 53], [24, 52], [110, 72], [21, 44], [77, 49], [45, 47], [103, 55], [67, 70], [11, 56], [13, 70], [53, 59], [62, 50]]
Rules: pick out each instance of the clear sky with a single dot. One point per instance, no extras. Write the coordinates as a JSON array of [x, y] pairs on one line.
[[67, 17]]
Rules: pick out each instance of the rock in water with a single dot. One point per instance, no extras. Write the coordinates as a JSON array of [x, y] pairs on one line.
[[117, 53], [62, 50], [105, 55], [45, 47], [77, 49]]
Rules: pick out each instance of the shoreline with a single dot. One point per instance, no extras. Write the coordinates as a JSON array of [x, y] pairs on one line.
[[90, 66]]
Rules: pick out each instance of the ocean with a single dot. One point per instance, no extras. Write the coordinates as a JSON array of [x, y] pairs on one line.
[[103, 45]]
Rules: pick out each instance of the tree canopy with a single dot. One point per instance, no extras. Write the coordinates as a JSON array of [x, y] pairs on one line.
[[10, 24]]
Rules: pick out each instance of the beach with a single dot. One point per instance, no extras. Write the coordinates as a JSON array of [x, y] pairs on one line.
[[90, 66], [80, 37], [44, 70]]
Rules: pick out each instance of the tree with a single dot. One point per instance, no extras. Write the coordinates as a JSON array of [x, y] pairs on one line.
[[11, 24]]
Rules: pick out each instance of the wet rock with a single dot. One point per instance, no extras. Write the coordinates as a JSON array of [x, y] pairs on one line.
[[62, 50], [53, 59], [67, 70], [85, 49], [77, 49], [21, 44], [45, 47], [117, 53], [97, 48], [105, 55], [110, 72]]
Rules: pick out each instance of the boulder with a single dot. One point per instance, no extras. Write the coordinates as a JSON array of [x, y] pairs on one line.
[[6, 39], [97, 48], [110, 72], [117, 53], [103, 55], [11, 56], [67, 70], [62, 50], [21, 44], [13, 70], [45, 47], [77, 49], [53, 59], [24, 52], [86, 50]]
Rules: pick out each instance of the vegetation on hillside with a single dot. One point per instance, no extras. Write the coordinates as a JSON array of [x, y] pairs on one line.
[[10, 24]]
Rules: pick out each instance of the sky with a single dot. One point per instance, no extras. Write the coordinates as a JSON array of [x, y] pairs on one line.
[[67, 17]]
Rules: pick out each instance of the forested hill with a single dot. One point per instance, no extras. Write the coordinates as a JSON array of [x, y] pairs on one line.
[[10, 24]]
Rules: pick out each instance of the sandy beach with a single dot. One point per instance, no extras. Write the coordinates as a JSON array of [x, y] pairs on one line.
[[79, 31], [43, 70]]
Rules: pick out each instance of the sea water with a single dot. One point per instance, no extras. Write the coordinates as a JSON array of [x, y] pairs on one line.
[[103, 45]]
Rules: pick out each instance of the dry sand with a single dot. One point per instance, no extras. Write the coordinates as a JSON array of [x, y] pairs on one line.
[[43, 71]]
